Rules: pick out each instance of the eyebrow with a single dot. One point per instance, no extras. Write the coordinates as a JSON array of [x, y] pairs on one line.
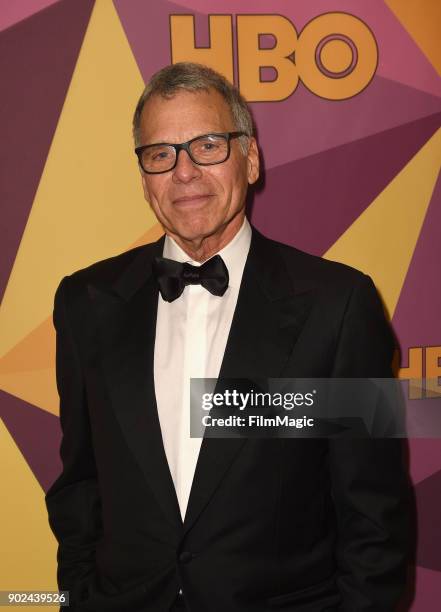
[[167, 142]]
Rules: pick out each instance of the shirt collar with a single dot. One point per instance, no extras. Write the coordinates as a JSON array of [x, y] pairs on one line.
[[234, 253]]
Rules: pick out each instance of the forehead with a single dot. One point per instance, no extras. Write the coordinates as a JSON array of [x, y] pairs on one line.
[[184, 115]]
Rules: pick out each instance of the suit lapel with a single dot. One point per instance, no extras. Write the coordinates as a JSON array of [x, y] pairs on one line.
[[126, 317], [269, 316]]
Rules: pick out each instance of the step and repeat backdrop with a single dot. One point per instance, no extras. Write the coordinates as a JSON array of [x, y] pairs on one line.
[[346, 96]]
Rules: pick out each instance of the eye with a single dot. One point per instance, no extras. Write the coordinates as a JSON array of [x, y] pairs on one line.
[[157, 155], [160, 155], [209, 146]]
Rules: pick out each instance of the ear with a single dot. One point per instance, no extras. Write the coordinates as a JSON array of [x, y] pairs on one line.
[[252, 162]]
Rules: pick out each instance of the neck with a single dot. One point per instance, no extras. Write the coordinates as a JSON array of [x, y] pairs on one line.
[[201, 249]]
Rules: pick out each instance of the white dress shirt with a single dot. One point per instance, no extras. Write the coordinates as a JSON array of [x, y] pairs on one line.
[[191, 335]]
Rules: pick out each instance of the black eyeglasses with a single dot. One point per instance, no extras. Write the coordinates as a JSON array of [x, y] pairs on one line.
[[206, 150]]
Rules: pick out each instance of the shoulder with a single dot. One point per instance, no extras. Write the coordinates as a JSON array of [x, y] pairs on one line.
[[340, 295], [306, 268], [108, 270], [105, 273]]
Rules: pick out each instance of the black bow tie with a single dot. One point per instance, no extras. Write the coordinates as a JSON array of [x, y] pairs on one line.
[[173, 276]]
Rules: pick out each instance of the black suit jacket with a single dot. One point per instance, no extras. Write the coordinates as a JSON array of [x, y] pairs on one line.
[[295, 524]]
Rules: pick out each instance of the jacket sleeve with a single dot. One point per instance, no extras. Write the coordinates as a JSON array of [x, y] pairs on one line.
[[369, 481], [73, 501]]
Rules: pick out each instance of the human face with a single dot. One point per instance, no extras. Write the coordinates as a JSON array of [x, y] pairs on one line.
[[194, 202]]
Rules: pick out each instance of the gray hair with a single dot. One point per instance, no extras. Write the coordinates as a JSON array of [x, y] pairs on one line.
[[195, 77]]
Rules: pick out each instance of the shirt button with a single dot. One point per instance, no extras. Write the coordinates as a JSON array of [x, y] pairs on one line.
[[186, 556]]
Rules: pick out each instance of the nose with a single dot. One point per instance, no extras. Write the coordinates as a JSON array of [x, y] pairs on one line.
[[185, 170]]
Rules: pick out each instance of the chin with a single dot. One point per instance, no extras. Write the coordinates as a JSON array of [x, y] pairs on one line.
[[196, 229]]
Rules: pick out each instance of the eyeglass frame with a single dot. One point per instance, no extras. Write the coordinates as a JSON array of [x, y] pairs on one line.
[[186, 147]]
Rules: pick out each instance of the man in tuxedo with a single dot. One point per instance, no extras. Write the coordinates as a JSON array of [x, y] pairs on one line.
[[149, 519]]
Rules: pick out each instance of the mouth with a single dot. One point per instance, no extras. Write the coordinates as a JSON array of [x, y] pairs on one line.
[[188, 200]]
